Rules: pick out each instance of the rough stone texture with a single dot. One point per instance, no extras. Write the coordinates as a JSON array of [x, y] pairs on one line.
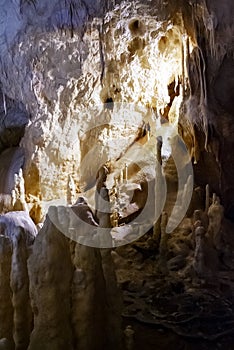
[[88, 298], [20, 289], [61, 60], [6, 309], [130, 53], [60, 76], [50, 273], [13, 119], [113, 301], [212, 29], [74, 295], [17, 235], [96, 303], [64, 82], [12, 160]]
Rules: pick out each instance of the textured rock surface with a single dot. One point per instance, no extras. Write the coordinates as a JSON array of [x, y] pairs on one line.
[[129, 52], [60, 61], [50, 272], [74, 294], [12, 160], [64, 296], [96, 303], [17, 235], [64, 82], [6, 313], [13, 119]]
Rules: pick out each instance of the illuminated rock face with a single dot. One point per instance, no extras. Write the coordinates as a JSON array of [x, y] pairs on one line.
[[130, 57], [149, 55]]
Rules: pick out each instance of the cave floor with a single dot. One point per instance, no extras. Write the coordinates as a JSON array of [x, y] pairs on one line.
[[149, 337], [165, 310]]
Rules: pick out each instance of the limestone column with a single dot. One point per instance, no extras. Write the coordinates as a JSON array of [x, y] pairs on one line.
[[6, 308], [50, 273]]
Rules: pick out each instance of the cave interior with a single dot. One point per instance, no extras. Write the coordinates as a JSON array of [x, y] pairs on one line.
[[116, 174]]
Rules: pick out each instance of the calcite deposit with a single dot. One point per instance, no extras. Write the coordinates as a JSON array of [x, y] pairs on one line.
[[116, 174]]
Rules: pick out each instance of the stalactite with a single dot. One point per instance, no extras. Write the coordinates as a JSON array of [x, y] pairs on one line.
[[202, 74], [101, 51], [207, 204], [71, 10], [4, 103], [199, 63], [210, 23], [183, 56]]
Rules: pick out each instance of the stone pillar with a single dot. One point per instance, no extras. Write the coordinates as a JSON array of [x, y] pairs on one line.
[[50, 273], [215, 215], [199, 254], [20, 288], [6, 308]]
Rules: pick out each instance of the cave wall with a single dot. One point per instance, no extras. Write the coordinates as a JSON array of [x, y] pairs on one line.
[[60, 59], [59, 63], [212, 27]]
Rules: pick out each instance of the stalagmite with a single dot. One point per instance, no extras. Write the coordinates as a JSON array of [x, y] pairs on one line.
[[115, 219], [121, 177], [129, 337], [20, 290], [125, 173], [163, 246], [159, 149], [21, 232], [5, 344], [36, 211], [114, 302], [157, 231], [164, 235], [50, 273], [215, 215], [200, 215], [103, 209], [19, 191], [71, 190], [88, 299], [6, 308], [199, 254], [207, 204], [82, 222], [115, 191], [158, 190]]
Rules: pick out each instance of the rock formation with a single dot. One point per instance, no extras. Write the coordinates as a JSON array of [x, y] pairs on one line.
[[146, 86], [17, 236], [83, 274], [50, 273]]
